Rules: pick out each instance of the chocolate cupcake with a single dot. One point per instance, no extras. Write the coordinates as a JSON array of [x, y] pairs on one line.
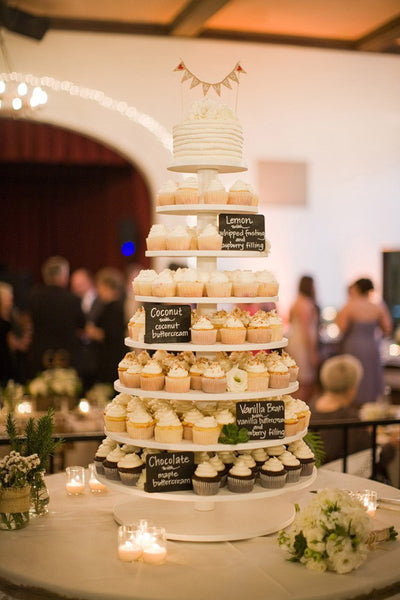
[[241, 478], [292, 466], [206, 480], [101, 454], [273, 474], [110, 465], [129, 468], [307, 460]]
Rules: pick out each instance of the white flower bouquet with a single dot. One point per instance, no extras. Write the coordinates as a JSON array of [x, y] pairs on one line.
[[15, 476], [332, 533], [56, 382]]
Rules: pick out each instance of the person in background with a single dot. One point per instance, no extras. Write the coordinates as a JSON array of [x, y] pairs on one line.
[[361, 321], [340, 377], [15, 337], [108, 328], [303, 337], [57, 319]]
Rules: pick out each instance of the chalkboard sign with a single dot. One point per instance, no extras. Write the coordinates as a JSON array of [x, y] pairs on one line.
[[264, 420], [167, 323], [242, 232], [169, 472]]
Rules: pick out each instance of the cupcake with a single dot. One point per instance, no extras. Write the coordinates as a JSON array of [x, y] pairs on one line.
[[291, 420], [114, 417], [278, 375], [249, 461], [307, 460], [178, 380], [291, 365], [140, 424], [110, 465], [142, 283], [222, 470], [215, 193], [267, 284], [213, 380], [188, 283], [169, 429], [196, 372], [129, 468], [272, 474], [152, 377], [132, 375], [227, 457], [101, 454], [206, 431], [292, 466], [276, 450], [178, 239], [206, 480], [163, 285], [209, 238], [257, 376], [241, 478], [187, 191], [203, 332], [224, 417], [136, 325], [157, 238], [218, 285], [233, 331], [258, 330], [166, 194], [188, 420], [245, 284], [241, 193], [218, 319], [123, 366], [276, 325], [260, 456]]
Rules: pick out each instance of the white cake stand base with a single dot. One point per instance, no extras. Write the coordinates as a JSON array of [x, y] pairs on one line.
[[224, 522]]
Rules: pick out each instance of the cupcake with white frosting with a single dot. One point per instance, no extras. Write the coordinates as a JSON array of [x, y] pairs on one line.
[[241, 478], [196, 371], [178, 238], [110, 465], [206, 431], [307, 460], [291, 365], [169, 429], [206, 480], [163, 284], [101, 453], [292, 466], [209, 238], [132, 375], [142, 284], [245, 284], [177, 380], [166, 194], [267, 284], [215, 193], [157, 237], [257, 376], [222, 470], [152, 377], [218, 285], [233, 331], [213, 380], [241, 193], [278, 374], [203, 332], [188, 420], [136, 325], [114, 417], [188, 283], [187, 191], [276, 325], [140, 424], [272, 474], [258, 330], [129, 468]]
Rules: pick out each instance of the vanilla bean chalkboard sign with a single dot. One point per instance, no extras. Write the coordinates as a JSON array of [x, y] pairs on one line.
[[264, 420], [169, 471], [242, 232], [167, 323]]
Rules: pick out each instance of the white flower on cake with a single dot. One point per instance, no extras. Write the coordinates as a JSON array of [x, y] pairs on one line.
[[209, 109]]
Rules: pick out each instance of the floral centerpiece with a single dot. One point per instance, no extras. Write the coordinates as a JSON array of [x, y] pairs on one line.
[[333, 533], [55, 384], [11, 395], [15, 474]]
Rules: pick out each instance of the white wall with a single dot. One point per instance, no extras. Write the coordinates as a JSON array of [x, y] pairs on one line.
[[338, 111]]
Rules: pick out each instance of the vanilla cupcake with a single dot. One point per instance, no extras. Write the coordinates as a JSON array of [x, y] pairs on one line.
[[245, 284], [136, 325], [272, 474], [257, 376], [205, 431], [276, 325], [166, 194], [218, 319], [241, 193], [157, 238], [213, 380], [123, 365], [188, 283], [278, 375], [259, 330], [142, 283], [241, 478], [178, 380], [206, 480], [203, 332], [132, 375], [187, 191], [188, 420], [218, 285], [169, 429], [178, 238], [292, 466], [163, 285], [152, 377], [209, 238], [267, 284], [114, 417], [224, 417], [215, 193], [233, 331], [291, 365], [140, 424], [129, 468], [196, 371]]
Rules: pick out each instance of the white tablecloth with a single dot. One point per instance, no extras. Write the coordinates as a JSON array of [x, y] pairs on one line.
[[73, 552]]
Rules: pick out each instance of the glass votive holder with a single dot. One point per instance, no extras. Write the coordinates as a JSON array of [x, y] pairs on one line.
[[129, 546], [95, 486], [154, 546], [369, 499], [75, 484]]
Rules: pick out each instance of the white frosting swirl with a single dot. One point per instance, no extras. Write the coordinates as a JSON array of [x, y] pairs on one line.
[[289, 459], [273, 464], [206, 469], [130, 461], [240, 469]]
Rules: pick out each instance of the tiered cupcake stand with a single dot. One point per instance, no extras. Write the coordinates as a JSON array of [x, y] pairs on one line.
[[225, 516]]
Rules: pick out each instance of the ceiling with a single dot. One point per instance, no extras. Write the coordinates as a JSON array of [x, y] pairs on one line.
[[354, 25]]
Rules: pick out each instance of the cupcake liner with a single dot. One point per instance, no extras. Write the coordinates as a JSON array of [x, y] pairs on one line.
[[240, 198], [178, 243], [211, 385], [240, 486], [233, 336], [276, 333], [161, 290], [218, 197], [188, 432], [186, 196], [195, 382], [111, 473], [256, 382], [129, 478], [177, 385], [205, 488], [278, 380], [219, 289], [139, 432], [272, 482], [156, 243], [205, 436], [154, 383], [245, 290], [99, 465], [210, 242], [293, 475], [290, 429], [293, 373], [190, 289], [259, 335], [165, 199], [267, 288], [168, 435], [145, 289], [113, 425], [307, 468], [204, 336], [132, 380]]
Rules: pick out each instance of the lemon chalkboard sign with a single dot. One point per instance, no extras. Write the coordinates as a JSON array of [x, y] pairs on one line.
[[264, 420], [167, 323], [242, 232]]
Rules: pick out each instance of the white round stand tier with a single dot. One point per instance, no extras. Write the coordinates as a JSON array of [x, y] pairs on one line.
[[207, 165], [207, 209], [208, 300], [207, 253], [217, 347], [199, 396], [224, 517], [188, 446]]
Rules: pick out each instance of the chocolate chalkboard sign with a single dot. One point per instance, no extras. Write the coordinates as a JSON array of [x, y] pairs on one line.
[[167, 323], [169, 472], [242, 232], [264, 420]]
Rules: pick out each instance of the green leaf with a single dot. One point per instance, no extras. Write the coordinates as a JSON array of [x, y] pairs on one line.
[[315, 443], [231, 434]]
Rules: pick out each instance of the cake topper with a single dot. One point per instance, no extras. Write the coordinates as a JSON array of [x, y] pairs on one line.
[[216, 86]]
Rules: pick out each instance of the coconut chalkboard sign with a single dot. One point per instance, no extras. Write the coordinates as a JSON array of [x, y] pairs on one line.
[[167, 323], [242, 232], [264, 420], [169, 472]]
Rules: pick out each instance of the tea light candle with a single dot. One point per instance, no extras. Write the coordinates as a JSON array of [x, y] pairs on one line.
[[154, 554], [75, 484], [129, 551], [95, 486], [369, 498]]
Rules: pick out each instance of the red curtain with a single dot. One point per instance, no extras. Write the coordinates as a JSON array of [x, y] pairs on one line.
[[62, 193]]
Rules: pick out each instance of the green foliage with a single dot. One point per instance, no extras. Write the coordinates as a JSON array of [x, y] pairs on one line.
[[231, 434], [315, 443], [36, 438], [392, 534]]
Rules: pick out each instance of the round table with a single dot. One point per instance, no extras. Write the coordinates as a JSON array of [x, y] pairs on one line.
[[72, 553]]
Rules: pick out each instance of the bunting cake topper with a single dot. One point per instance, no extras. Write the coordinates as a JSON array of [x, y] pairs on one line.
[[206, 85]]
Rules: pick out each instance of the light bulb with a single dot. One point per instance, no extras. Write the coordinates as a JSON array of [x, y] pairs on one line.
[[17, 103], [22, 89]]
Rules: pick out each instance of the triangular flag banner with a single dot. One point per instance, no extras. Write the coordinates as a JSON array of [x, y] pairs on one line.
[[232, 76]]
